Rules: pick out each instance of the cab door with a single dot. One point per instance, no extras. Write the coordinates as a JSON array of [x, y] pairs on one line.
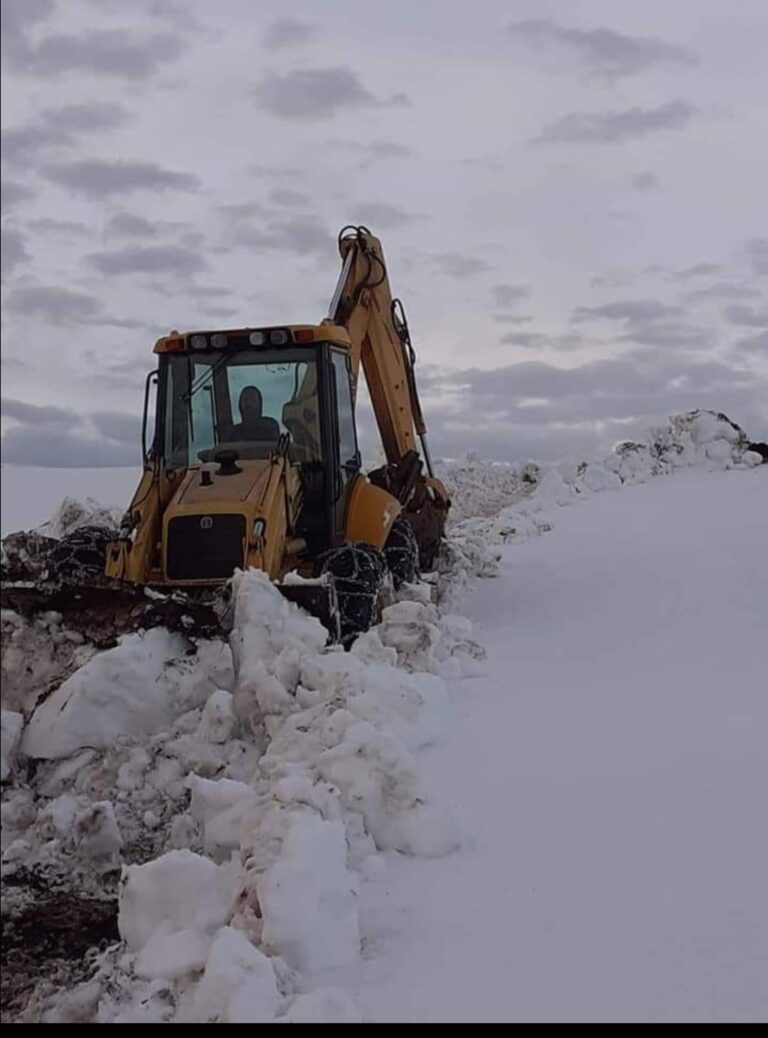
[[346, 448]]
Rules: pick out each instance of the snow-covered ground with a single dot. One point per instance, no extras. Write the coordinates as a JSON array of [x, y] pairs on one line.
[[570, 829], [610, 774]]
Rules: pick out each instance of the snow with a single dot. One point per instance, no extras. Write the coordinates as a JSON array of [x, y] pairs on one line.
[[613, 866], [308, 898], [130, 690], [526, 797], [11, 725], [170, 908]]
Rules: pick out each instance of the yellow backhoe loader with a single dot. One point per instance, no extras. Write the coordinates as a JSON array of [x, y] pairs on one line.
[[253, 461]]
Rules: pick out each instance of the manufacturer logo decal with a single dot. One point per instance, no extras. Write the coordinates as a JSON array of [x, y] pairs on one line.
[[206, 523]]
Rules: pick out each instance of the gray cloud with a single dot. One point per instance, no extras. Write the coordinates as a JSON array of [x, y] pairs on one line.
[[130, 226], [538, 408], [667, 333], [101, 178], [54, 305], [458, 264], [302, 234], [508, 295], [49, 225], [60, 437], [757, 250], [106, 52], [317, 93], [60, 127], [373, 152], [512, 318], [490, 163], [223, 312], [124, 428], [29, 445], [288, 32], [149, 259], [538, 340], [211, 292], [381, 214], [625, 310], [747, 317], [237, 211], [721, 290], [647, 321], [285, 197], [698, 270], [754, 343], [17, 16], [612, 127], [275, 172], [13, 193], [604, 52], [13, 251], [40, 416], [644, 181]]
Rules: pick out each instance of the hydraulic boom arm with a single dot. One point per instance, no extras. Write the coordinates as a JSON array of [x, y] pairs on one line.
[[381, 343], [363, 304]]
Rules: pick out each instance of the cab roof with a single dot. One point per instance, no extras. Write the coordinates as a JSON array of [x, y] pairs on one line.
[[251, 338]]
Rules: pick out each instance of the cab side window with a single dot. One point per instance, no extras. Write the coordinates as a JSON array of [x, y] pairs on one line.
[[348, 455]]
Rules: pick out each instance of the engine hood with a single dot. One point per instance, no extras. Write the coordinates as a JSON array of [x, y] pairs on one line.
[[203, 486]]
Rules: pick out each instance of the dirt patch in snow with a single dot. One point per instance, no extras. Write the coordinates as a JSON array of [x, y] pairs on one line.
[[55, 939]]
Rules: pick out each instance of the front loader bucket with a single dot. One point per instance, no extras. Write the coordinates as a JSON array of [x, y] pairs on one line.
[[104, 611]]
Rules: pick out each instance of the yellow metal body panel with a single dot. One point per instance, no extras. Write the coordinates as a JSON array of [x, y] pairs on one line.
[[371, 512], [266, 490]]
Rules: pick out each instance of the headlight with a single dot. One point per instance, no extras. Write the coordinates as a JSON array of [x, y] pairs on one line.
[[198, 342]]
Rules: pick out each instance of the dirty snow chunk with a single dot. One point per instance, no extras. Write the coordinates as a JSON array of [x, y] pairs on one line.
[[237, 987], [96, 832], [126, 691], [218, 720], [169, 908], [130, 776], [308, 898], [323, 1006], [11, 725], [33, 660], [72, 514], [218, 807], [752, 458]]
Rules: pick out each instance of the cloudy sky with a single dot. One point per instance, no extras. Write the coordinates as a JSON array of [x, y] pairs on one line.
[[571, 197]]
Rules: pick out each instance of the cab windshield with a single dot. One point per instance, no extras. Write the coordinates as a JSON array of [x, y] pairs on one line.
[[243, 401]]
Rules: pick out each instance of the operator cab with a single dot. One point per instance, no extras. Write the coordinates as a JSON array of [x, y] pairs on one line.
[[240, 395]]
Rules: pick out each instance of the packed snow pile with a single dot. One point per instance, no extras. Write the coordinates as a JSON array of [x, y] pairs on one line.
[[703, 439], [242, 791], [202, 813]]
